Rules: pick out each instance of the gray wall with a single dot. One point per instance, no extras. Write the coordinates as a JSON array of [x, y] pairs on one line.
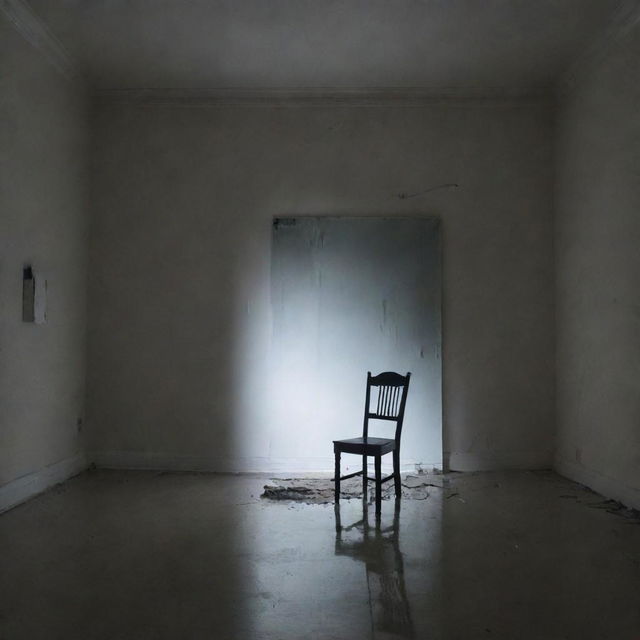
[[42, 221], [598, 265], [180, 320]]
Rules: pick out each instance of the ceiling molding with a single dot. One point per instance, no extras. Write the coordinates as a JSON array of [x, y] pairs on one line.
[[328, 97], [34, 31], [621, 25]]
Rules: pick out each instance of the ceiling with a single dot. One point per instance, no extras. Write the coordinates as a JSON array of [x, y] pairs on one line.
[[187, 44]]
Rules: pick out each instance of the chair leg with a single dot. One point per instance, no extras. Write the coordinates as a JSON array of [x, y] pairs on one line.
[[364, 477], [396, 473], [337, 478], [378, 485]]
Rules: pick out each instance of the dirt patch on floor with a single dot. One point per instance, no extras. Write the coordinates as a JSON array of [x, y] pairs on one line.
[[320, 490]]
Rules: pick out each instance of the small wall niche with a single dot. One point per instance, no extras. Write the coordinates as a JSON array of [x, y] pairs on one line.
[[34, 296]]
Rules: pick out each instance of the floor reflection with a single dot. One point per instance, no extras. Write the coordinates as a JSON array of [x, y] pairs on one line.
[[378, 547], [500, 555]]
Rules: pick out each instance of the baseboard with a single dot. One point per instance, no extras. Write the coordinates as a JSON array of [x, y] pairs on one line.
[[21, 489], [495, 461], [172, 462], [605, 485]]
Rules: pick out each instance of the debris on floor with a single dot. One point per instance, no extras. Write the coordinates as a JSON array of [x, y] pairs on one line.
[[618, 509], [286, 493], [415, 482], [610, 506], [320, 490]]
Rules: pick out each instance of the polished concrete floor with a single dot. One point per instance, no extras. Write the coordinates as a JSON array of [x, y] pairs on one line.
[[138, 555]]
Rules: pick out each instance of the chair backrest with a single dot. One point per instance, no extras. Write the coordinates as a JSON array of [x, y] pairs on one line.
[[386, 400]]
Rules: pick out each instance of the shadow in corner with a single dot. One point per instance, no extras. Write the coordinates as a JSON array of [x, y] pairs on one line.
[[379, 548]]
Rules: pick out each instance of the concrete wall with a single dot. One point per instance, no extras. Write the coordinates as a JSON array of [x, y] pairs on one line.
[[42, 222], [598, 265], [180, 322]]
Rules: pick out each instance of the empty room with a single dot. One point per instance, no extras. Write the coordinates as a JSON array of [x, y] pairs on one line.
[[319, 319]]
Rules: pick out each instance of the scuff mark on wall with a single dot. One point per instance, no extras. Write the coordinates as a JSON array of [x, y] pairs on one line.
[[448, 185]]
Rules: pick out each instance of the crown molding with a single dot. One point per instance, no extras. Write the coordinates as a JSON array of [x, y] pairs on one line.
[[620, 26], [36, 33], [329, 97]]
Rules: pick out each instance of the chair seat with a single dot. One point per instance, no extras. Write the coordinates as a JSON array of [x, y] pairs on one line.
[[369, 447]]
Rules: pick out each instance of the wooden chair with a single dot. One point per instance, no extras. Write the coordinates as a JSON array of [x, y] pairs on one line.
[[390, 398]]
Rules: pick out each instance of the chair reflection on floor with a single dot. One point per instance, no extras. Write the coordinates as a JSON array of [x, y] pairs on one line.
[[379, 548]]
